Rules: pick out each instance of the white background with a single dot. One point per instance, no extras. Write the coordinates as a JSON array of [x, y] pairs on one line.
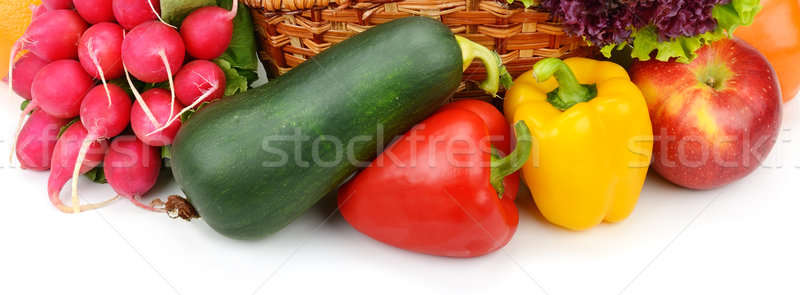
[[740, 239]]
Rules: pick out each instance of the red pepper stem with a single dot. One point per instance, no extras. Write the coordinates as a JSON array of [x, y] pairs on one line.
[[502, 167]]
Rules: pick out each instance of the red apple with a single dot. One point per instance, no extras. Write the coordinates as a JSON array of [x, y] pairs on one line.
[[714, 119]]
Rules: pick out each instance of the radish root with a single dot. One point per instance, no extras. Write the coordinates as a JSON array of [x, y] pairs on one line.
[[14, 51], [234, 10], [76, 204], [139, 98], [28, 109], [136, 94], [54, 199], [96, 62], [164, 59], [158, 15], [135, 200], [197, 101]]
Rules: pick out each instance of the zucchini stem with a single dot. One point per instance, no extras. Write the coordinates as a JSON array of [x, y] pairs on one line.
[[471, 50]]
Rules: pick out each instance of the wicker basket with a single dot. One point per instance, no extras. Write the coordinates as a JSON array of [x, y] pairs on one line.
[[292, 31]]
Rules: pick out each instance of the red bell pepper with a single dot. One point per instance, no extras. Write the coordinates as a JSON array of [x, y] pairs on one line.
[[435, 190]]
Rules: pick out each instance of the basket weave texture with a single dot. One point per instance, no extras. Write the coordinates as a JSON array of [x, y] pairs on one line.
[[292, 31]]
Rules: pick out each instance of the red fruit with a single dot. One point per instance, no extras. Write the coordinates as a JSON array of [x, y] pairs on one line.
[[716, 118]]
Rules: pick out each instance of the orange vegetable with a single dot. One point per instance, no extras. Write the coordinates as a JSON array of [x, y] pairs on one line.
[[776, 33]]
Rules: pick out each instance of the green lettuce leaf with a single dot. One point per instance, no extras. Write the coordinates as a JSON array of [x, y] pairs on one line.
[[174, 11], [526, 3], [736, 14]]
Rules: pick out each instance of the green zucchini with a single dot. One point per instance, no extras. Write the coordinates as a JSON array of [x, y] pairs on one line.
[[252, 163]]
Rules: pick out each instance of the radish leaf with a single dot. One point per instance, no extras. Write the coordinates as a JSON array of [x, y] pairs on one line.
[[174, 11], [97, 175]]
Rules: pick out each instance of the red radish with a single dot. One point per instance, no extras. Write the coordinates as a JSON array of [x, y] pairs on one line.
[[207, 31], [163, 109], [153, 51], [196, 78], [95, 11], [131, 13], [63, 161], [37, 139], [100, 52], [52, 36], [131, 168], [198, 81], [57, 89], [102, 120], [24, 70], [57, 4]]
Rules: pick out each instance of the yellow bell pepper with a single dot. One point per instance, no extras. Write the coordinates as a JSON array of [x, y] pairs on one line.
[[592, 139]]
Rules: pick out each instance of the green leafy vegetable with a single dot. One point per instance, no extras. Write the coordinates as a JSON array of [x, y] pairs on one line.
[[736, 14], [234, 81], [163, 85], [526, 3], [122, 83], [240, 60], [241, 52], [174, 11], [188, 114], [97, 175]]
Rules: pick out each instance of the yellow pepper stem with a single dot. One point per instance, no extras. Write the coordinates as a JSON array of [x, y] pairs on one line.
[[471, 50], [569, 91], [502, 167]]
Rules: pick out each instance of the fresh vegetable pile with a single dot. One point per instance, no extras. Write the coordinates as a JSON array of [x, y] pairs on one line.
[[703, 113], [108, 82]]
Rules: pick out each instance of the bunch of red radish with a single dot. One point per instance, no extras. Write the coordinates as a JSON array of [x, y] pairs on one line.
[[73, 48]]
